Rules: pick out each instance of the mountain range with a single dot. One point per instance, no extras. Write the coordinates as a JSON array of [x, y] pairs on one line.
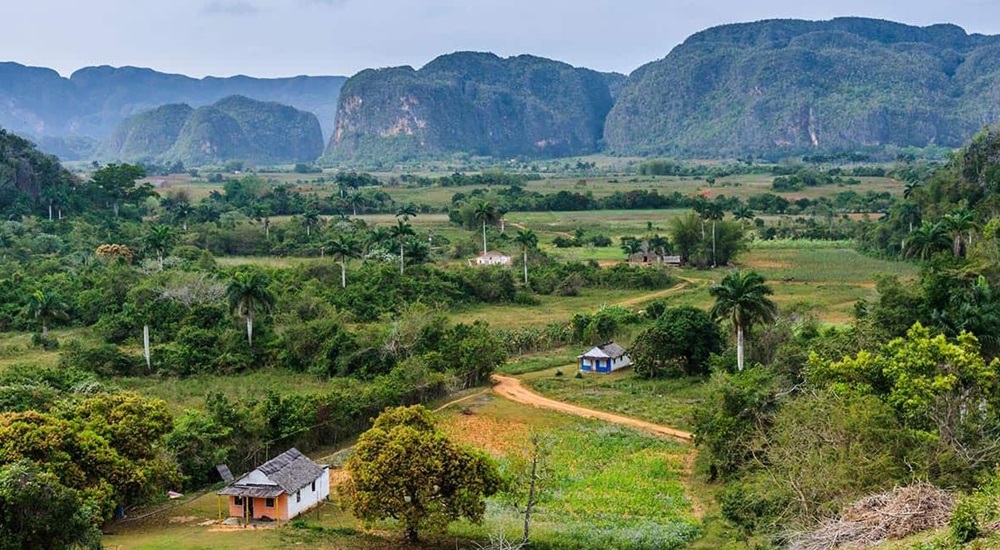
[[773, 88]]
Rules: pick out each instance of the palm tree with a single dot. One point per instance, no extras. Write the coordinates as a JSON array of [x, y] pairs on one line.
[[485, 213], [159, 238], [714, 212], [183, 211], [926, 240], [528, 240], [399, 232], [910, 213], [378, 235], [356, 200], [343, 248], [406, 212], [630, 246], [248, 294], [310, 218], [46, 307], [742, 296], [957, 224], [743, 213], [911, 185]]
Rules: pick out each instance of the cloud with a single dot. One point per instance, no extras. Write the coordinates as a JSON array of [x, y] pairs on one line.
[[231, 7]]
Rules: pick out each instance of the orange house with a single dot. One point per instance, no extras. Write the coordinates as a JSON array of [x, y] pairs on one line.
[[279, 489]]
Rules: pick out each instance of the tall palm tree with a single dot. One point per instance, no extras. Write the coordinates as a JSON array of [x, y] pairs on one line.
[[182, 212], [343, 248], [742, 296], [46, 307], [485, 213], [630, 246], [159, 238], [714, 212], [958, 224], [357, 200], [310, 219], [248, 295], [406, 211], [528, 240], [744, 214], [399, 232], [926, 240], [911, 185]]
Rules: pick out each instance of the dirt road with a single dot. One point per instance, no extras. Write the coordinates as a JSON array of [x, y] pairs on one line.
[[512, 388]]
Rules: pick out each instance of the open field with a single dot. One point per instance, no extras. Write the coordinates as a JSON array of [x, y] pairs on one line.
[[624, 490]]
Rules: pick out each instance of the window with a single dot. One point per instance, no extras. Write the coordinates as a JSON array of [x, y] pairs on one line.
[[238, 501], [269, 503], [314, 487], [298, 496]]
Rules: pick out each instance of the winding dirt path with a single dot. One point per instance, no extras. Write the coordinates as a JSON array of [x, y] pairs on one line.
[[513, 389]]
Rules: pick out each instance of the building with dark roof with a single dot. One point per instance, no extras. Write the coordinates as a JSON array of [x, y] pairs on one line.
[[604, 358], [279, 489]]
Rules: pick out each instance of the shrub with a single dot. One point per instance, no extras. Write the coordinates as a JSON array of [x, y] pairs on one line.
[[104, 360]]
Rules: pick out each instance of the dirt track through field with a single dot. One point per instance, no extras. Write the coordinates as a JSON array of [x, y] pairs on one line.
[[513, 389]]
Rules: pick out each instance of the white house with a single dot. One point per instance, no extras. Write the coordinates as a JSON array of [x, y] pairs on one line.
[[491, 258], [604, 358], [279, 489]]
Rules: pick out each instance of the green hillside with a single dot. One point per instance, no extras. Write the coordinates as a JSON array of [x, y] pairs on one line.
[[30, 179], [474, 103], [786, 86], [234, 128]]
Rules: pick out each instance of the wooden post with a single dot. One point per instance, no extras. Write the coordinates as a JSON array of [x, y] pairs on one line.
[[218, 499]]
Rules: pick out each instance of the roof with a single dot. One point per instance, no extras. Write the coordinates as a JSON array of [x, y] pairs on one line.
[[609, 350], [492, 254], [285, 473]]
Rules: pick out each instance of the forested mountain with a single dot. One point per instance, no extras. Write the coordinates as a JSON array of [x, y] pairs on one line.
[[93, 101], [474, 103], [30, 178], [234, 128], [786, 86]]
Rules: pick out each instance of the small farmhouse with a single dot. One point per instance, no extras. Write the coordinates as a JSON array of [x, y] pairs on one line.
[[604, 358], [491, 258], [279, 489]]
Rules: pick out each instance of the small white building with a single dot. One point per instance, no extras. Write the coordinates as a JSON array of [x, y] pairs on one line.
[[279, 489], [605, 358], [491, 258]]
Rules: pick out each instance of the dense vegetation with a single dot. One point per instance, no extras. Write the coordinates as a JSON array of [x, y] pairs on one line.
[[783, 87]]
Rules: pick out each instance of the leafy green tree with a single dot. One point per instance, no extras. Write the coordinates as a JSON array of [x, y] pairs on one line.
[[47, 307], [405, 469], [343, 248], [159, 238], [744, 213], [118, 182], [485, 213], [680, 343], [36, 512], [630, 246], [248, 294], [399, 233], [926, 240], [742, 296], [528, 241]]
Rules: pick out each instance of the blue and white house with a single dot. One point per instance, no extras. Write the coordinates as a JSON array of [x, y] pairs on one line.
[[605, 358]]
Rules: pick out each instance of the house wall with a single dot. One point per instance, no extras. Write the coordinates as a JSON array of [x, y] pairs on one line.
[[586, 364], [307, 497], [621, 363], [260, 509]]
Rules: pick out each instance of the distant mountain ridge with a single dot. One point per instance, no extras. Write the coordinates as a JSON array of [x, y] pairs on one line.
[[92, 102], [233, 128], [471, 102], [790, 86]]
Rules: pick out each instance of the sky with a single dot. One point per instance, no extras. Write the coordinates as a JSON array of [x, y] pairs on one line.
[[271, 38]]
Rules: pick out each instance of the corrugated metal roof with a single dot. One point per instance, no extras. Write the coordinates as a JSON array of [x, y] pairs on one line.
[[290, 471], [610, 350]]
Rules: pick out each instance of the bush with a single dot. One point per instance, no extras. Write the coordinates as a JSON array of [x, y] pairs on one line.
[[45, 342], [104, 360]]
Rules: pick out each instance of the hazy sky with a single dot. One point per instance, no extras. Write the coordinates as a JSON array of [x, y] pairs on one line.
[[341, 37]]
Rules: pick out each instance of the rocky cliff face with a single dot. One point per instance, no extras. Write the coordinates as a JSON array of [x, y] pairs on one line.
[[788, 86], [234, 128], [473, 103]]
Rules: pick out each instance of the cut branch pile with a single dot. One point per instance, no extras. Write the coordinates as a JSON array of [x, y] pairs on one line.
[[875, 519]]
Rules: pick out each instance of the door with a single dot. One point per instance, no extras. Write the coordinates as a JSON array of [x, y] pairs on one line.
[[249, 507]]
